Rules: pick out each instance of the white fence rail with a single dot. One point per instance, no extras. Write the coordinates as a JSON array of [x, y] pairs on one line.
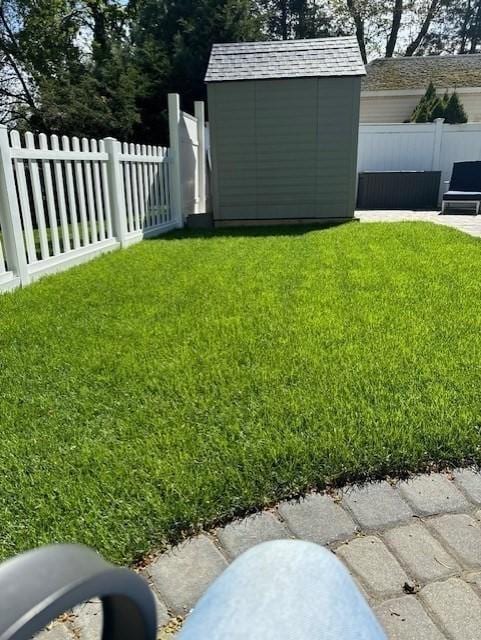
[[64, 201], [418, 147]]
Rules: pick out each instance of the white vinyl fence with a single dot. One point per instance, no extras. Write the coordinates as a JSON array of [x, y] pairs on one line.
[[63, 201], [418, 147], [145, 175], [192, 154]]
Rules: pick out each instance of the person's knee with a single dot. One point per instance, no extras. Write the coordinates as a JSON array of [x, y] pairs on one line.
[[287, 550], [289, 556]]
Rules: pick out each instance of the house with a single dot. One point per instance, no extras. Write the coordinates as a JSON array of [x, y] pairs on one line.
[[393, 86], [284, 121]]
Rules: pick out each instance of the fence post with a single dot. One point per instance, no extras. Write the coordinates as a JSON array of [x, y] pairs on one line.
[[201, 175], [174, 159], [10, 220], [438, 136], [116, 189]]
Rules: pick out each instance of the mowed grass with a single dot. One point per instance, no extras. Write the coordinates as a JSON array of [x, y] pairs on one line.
[[169, 386]]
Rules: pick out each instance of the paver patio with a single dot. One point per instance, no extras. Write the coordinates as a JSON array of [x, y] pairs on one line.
[[413, 547]]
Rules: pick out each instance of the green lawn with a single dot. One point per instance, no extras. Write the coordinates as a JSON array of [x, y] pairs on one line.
[[187, 379]]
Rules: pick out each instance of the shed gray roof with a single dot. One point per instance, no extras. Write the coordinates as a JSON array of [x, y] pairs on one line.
[[446, 72], [285, 59]]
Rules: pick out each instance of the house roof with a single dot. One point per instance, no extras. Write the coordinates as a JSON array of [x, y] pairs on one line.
[[285, 59], [417, 72]]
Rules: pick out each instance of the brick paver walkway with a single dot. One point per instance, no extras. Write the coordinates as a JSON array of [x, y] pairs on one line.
[[467, 223], [413, 547]]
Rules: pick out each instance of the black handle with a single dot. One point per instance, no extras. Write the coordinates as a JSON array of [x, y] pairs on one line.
[[39, 585]]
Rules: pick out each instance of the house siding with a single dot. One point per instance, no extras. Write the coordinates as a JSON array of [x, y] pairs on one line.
[[284, 149], [398, 108]]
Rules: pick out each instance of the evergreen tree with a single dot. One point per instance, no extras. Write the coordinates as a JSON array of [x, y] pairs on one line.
[[431, 107], [430, 94], [454, 112], [437, 109], [172, 42], [286, 19], [422, 111]]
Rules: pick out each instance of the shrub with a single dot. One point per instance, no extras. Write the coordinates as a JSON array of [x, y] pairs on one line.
[[432, 106], [454, 112], [438, 109]]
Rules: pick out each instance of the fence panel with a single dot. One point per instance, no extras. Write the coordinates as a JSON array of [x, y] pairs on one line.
[[145, 171], [53, 186], [3, 264], [7, 278], [418, 147], [395, 147], [65, 201], [189, 160], [459, 142]]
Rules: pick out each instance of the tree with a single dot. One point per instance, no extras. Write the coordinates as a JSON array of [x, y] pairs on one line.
[[438, 109], [422, 112], [34, 41], [463, 20], [454, 112], [65, 68], [456, 28], [172, 40], [391, 27], [415, 44], [358, 19], [431, 107], [104, 67], [285, 19], [395, 25]]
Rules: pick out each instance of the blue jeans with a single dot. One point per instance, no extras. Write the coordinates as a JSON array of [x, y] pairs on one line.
[[283, 590]]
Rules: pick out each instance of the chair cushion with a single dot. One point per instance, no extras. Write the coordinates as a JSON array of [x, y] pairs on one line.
[[462, 195], [466, 176]]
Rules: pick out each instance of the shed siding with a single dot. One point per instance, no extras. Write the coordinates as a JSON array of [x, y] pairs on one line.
[[286, 127], [284, 148], [338, 117], [232, 131], [398, 108]]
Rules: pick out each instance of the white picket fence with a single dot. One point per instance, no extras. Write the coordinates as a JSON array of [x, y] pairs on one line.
[[418, 147], [65, 201], [145, 175]]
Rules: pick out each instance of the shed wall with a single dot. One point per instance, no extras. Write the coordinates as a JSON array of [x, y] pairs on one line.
[[284, 149]]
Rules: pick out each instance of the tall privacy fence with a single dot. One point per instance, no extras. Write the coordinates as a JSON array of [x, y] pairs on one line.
[[418, 147], [63, 201]]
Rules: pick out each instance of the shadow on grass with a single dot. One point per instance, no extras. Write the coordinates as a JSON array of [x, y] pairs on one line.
[[252, 232]]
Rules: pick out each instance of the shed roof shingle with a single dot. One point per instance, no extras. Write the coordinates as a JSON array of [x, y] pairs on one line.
[[446, 72], [285, 59]]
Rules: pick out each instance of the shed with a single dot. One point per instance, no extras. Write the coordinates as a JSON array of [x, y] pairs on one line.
[[284, 119]]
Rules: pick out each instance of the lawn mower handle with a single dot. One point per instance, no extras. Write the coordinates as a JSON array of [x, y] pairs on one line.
[[39, 585]]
